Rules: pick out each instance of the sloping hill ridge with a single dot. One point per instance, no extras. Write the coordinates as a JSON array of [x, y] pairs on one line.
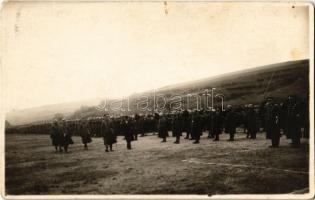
[[43, 113], [242, 87], [254, 85], [251, 86]]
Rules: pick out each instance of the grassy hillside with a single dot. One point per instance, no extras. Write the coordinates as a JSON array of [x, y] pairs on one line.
[[242, 87], [252, 86], [238, 88]]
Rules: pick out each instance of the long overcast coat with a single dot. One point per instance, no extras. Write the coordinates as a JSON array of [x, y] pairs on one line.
[[56, 136], [85, 134], [162, 127], [108, 133]]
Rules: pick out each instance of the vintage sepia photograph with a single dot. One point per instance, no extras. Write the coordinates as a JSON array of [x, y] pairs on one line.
[[163, 98]]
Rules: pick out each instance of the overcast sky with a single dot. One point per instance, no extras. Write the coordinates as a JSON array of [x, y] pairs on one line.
[[61, 52]]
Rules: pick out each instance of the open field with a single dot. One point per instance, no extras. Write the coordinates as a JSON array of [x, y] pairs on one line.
[[244, 166]]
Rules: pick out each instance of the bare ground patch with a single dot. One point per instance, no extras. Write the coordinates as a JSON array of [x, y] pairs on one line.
[[32, 167]]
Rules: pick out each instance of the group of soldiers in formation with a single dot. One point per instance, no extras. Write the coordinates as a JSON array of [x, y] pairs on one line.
[[291, 117]]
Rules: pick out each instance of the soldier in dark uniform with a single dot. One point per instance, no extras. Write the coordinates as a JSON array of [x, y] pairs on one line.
[[137, 127], [283, 119], [272, 122], [251, 121], [126, 127], [267, 117], [66, 135], [162, 127], [186, 123], [231, 122], [197, 126], [117, 125], [217, 123], [177, 127], [150, 123], [282, 115], [90, 125], [244, 114], [85, 134], [98, 124], [56, 136], [107, 131], [143, 125], [292, 125], [210, 119], [156, 120], [204, 119]]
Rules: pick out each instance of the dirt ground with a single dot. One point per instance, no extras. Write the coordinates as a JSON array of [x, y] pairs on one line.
[[151, 167]]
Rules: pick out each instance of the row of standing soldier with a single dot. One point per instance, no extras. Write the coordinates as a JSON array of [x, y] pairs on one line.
[[61, 134], [289, 116]]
